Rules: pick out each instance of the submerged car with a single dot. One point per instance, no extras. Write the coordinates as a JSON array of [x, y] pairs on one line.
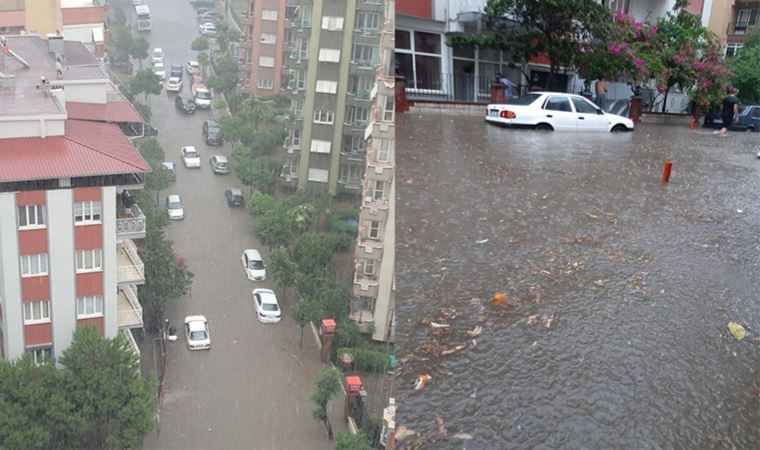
[[267, 307], [748, 120], [212, 132], [234, 197], [219, 164], [174, 207], [174, 84], [190, 157], [555, 111], [254, 266], [196, 333]]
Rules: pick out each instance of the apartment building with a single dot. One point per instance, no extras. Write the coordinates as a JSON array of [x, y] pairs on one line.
[[373, 301], [260, 53], [330, 57], [744, 15], [76, 20], [67, 256]]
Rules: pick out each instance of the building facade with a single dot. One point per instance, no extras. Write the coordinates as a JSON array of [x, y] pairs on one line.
[[744, 16], [330, 57], [67, 256], [373, 300], [260, 54]]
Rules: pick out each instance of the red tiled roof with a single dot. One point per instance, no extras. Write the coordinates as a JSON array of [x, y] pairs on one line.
[[103, 112], [87, 149], [12, 18], [79, 16]]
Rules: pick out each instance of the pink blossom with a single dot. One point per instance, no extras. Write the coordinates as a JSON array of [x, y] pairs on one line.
[[639, 63]]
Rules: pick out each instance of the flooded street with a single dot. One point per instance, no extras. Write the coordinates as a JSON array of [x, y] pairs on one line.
[[619, 289]]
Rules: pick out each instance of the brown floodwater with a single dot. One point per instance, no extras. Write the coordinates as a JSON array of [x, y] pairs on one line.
[[619, 288]]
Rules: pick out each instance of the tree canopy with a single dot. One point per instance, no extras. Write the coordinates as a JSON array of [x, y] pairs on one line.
[[746, 68]]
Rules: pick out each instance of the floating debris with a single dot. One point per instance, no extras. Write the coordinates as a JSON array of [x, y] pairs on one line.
[[454, 349], [462, 436], [475, 331], [439, 325], [421, 381], [441, 427], [500, 299], [737, 330], [482, 241]]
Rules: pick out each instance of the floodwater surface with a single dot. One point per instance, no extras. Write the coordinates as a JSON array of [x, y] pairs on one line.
[[618, 288]]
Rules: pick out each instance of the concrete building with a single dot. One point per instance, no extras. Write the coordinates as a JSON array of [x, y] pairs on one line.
[[261, 50], [331, 54], [373, 300], [744, 16], [66, 252], [76, 20]]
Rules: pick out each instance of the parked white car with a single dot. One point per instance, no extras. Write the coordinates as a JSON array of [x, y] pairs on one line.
[[160, 70], [190, 157], [193, 68], [555, 111], [174, 84], [157, 55], [267, 307], [207, 29], [196, 333], [254, 266], [174, 207], [201, 96]]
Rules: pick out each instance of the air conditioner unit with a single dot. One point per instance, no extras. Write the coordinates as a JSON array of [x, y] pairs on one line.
[[288, 178]]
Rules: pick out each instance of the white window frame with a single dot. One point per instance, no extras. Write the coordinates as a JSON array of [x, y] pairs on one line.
[[362, 25], [89, 306], [361, 304], [298, 74], [373, 230], [88, 212], [383, 152], [295, 137], [412, 50], [268, 38], [365, 55], [332, 23], [266, 61], [327, 86], [357, 114], [37, 214], [264, 84], [37, 312], [329, 55], [324, 117], [90, 260], [389, 109], [41, 355], [378, 190], [351, 172], [369, 267], [744, 14], [734, 47], [34, 265], [269, 14], [319, 146]]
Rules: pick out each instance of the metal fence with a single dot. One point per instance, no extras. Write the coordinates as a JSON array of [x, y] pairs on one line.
[[463, 87]]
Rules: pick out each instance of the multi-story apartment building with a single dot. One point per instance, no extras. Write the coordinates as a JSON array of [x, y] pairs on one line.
[[331, 54], [76, 20], [66, 252], [260, 54], [374, 287], [744, 16]]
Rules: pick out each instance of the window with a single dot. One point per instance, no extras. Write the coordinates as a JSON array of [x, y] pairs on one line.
[[583, 107], [365, 55], [357, 115], [268, 38], [266, 61], [369, 267], [300, 78], [41, 355], [620, 5], [418, 58], [327, 87], [324, 117], [558, 104], [360, 86], [295, 137], [329, 55], [87, 212], [264, 84], [353, 145], [89, 306], [36, 312], [379, 191], [373, 232], [388, 109], [318, 146], [366, 304], [427, 42], [742, 19], [351, 174], [732, 49], [319, 175], [383, 147], [89, 260], [291, 12], [297, 107], [367, 22], [332, 23], [269, 14], [31, 216], [34, 265]]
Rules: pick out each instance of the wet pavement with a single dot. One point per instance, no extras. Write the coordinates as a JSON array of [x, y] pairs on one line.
[[619, 289], [252, 389]]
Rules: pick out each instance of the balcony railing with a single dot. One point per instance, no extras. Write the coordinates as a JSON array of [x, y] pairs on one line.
[[289, 173], [364, 285], [297, 55], [129, 312], [131, 227], [354, 155], [351, 182], [129, 267], [127, 333]]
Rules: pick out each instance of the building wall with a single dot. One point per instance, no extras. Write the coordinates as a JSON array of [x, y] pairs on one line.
[[94, 92], [110, 290], [32, 127], [43, 16], [720, 17], [271, 50], [10, 278], [82, 33], [415, 8], [61, 260]]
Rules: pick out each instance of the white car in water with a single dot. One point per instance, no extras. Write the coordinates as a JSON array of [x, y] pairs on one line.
[[196, 333], [157, 55], [190, 157], [555, 111], [174, 207], [267, 307], [174, 84]]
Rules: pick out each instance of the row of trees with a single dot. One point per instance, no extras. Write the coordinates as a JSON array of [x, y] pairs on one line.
[[96, 399], [746, 68], [584, 35]]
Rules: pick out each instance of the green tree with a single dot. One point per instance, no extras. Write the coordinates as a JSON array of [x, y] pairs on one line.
[[145, 82], [284, 270], [334, 301], [139, 50], [158, 178], [121, 43], [312, 252], [327, 387], [143, 109], [225, 35], [302, 216], [310, 285], [260, 204], [102, 377], [349, 441], [348, 335], [746, 69], [200, 44], [226, 78], [305, 311], [275, 229]]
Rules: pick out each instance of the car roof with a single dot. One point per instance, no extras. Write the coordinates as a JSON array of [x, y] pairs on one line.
[[220, 158], [190, 148], [193, 63], [173, 198], [175, 78], [195, 318], [267, 295], [235, 191], [168, 164], [252, 252]]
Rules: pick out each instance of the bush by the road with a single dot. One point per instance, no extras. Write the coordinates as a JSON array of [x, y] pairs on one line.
[[366, 359]]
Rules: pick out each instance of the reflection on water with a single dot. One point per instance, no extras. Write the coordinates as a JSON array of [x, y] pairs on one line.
[[618, 289]]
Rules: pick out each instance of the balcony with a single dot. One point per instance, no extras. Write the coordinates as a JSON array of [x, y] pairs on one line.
[[129, 311], [129, 267], [297, 56], [127, 333], [363, 318], [369, 249], [289, 173], [131, 227], [353, 155], [355, 125], [365, 285], [351, 183]]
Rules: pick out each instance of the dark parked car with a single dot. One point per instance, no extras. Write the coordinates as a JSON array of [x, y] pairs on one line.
[[749, 119], [185, 104], [234, 197], [176, 70], [171, 168], [212, 132]]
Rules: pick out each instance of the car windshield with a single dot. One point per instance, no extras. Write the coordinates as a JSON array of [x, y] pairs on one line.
[[191, 155], [203, 95], [256, 265], [269, 307], [197, 335], [524, 100], [175, 205], [214, 128]]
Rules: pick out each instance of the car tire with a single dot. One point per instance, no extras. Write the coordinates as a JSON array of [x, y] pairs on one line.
[[543, 127], [619, 128]]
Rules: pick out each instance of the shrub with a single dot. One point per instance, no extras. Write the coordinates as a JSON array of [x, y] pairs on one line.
[[260, 204], [335, 223], [366, 359], [342, 241], [348, 334]]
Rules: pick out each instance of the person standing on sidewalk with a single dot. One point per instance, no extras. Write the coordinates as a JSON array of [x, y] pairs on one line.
[[730, 111], [509, 87], [601, 92]]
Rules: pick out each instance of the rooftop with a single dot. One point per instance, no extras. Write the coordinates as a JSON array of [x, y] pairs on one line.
[[86, 149], [84, 15], [113, 111]]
